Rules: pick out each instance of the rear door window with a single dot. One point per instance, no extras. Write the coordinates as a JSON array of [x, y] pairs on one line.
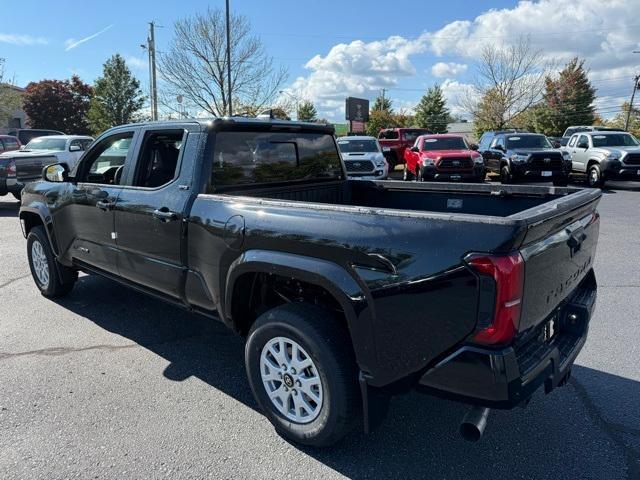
[[389, 135], [245, 158]]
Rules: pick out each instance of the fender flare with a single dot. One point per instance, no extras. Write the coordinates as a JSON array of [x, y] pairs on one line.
[[43, 213], [332, 277]]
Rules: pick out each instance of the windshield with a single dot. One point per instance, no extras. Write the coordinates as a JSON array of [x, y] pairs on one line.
[[47, 143], [358, 146], [528, 141], [615, 140], [445, 143]]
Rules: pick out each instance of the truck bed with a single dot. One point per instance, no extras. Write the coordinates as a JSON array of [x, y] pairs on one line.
[[471, 199]]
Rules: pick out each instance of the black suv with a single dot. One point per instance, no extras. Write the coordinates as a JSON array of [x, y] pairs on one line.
[[526, 156]]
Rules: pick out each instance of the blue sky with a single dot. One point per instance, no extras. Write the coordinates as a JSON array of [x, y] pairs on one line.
[[356, 46]]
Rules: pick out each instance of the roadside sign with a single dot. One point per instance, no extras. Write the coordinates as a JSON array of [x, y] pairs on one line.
[[357, 109]]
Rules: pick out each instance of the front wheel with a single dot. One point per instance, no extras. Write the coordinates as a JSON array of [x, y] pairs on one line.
[[594, 177], [303, 373], [51, 278], [505, 175], [407, 175]]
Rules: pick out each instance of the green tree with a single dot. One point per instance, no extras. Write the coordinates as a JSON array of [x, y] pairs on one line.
[[117, 96], [634, 119], [567, 100], [382, 103], [379, 119], [307, 112], [432, 112], [58, 105], [9, 98]]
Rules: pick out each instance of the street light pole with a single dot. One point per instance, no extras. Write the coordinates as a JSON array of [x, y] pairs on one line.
[[152, 68], [229, 60]]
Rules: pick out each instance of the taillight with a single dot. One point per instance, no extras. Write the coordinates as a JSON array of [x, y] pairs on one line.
[[508, 273], [11, 169]]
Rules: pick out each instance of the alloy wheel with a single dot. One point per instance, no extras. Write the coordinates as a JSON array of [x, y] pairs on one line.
[[291, 380]]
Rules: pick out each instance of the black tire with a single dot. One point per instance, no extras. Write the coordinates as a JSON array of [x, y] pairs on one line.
[[393, 162], [505, 175], [327, 342], [61, 279], [17, 195], [594, 176], [407, 175]]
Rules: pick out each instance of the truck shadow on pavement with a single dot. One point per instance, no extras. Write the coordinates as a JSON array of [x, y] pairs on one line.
[[576, 432]]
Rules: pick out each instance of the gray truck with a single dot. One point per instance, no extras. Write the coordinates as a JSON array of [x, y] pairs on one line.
[[605, 155]]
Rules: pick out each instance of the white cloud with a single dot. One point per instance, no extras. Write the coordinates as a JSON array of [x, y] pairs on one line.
[[455, 93], [450, 69], [605, 35], [72, 43], [357, 68], [138, 63], [19, 39]]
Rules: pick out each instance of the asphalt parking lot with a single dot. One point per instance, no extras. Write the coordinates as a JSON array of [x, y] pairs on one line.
[[108, 383]]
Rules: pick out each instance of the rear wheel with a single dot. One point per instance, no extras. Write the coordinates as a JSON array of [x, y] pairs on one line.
[[303, 373], [594, 177], [51, 278]]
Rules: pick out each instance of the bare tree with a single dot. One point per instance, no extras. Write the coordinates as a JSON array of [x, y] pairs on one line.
[[9, 98], [195, 65], [509, 81]]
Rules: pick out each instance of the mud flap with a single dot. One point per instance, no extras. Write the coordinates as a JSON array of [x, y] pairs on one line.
[[375, 405]]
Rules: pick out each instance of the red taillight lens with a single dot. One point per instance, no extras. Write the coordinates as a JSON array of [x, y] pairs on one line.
[[11, 169], [508, 273]]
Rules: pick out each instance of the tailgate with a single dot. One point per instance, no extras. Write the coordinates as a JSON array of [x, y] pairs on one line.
[[559, 251]]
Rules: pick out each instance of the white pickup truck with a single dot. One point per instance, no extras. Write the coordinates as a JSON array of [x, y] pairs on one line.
[[21, 166]]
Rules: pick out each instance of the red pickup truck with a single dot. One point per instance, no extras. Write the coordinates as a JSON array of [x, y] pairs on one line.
[[443, 157], [394, 141]]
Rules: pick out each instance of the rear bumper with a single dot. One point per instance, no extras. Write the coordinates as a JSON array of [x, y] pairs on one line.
[[506, 377]]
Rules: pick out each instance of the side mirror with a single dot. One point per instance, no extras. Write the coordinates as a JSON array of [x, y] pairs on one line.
[[56, 172], [474, 146], [415, 149], [499, 148], [74, 148], [583, 145], [556, 144]]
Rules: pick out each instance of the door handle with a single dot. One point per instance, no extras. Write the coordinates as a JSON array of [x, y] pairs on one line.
[[105, 205], [164, 214]]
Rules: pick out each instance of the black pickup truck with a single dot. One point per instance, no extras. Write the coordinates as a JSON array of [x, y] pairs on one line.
[[526, 156], [347, 291]]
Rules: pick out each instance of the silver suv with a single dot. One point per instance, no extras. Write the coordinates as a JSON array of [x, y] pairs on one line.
[[605, 156]]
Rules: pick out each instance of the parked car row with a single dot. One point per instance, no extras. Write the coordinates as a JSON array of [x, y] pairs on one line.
[[20, 166]]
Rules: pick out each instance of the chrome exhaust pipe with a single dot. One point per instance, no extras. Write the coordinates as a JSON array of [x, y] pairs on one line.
[[474, 423]]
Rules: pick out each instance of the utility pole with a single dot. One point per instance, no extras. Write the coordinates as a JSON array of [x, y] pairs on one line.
[[384, 90], [636, 79], [153, 85], [229, 60]]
